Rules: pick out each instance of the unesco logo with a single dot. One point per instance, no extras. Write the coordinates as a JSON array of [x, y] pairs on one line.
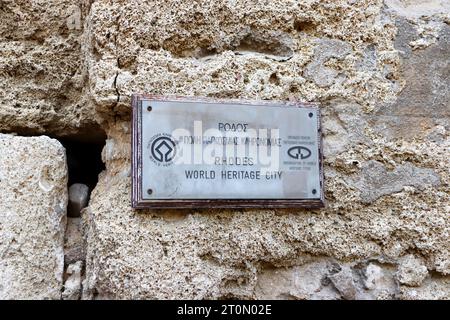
[[162, 149]]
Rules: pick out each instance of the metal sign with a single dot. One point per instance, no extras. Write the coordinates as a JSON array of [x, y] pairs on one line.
[[189, 153]]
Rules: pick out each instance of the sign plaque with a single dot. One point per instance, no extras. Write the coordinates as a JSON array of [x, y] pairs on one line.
[[197, 152]]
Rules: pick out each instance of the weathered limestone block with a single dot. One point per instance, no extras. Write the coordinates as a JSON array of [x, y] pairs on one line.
[[306, 281], [411, 271], [239, 49], [317, 70], [344, 283], [33, 201], [422, 108], [218, 253], [379, 280], [431, 289], [418, 8], [387, 192], [42, 72], [325, 278], [375, 181]]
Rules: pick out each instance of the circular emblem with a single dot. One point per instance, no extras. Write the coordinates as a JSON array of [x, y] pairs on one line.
[[162, 149], [299, 152]]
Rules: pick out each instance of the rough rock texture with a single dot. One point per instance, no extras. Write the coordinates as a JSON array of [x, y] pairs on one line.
[[266, 50], [42, 74], [33, 202], [385, 134], [430, 290], [72, 285], [343, 282], [307, 281], [74, 246], [380, 70], [411, 271], [375, 181]]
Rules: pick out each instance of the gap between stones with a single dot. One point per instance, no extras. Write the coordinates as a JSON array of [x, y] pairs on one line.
[[84, 164]]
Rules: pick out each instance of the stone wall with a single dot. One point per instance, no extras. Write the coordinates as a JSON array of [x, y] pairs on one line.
[[381, 71], [33, 202]]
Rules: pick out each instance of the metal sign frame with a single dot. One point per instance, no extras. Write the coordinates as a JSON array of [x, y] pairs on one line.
[[137, 200]]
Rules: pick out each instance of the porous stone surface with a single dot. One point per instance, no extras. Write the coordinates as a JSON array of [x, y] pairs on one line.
[[307, 281], [379, 280], [269, 50], [343, 282], [431, 289], [380, 71], [411, 271], [74, 246], [374, 180], [42, 73], [385, 142], [325, 278], [33, 202]]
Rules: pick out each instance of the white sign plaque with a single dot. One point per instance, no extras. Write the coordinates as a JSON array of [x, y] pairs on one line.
[[225, 153]]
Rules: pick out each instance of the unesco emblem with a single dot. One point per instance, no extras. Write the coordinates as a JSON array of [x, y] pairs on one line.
[[162, 149]]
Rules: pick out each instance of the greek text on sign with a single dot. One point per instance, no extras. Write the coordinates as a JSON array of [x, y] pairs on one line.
[[209, 153]]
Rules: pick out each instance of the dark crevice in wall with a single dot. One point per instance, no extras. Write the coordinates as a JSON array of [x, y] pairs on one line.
[[84, 161]]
